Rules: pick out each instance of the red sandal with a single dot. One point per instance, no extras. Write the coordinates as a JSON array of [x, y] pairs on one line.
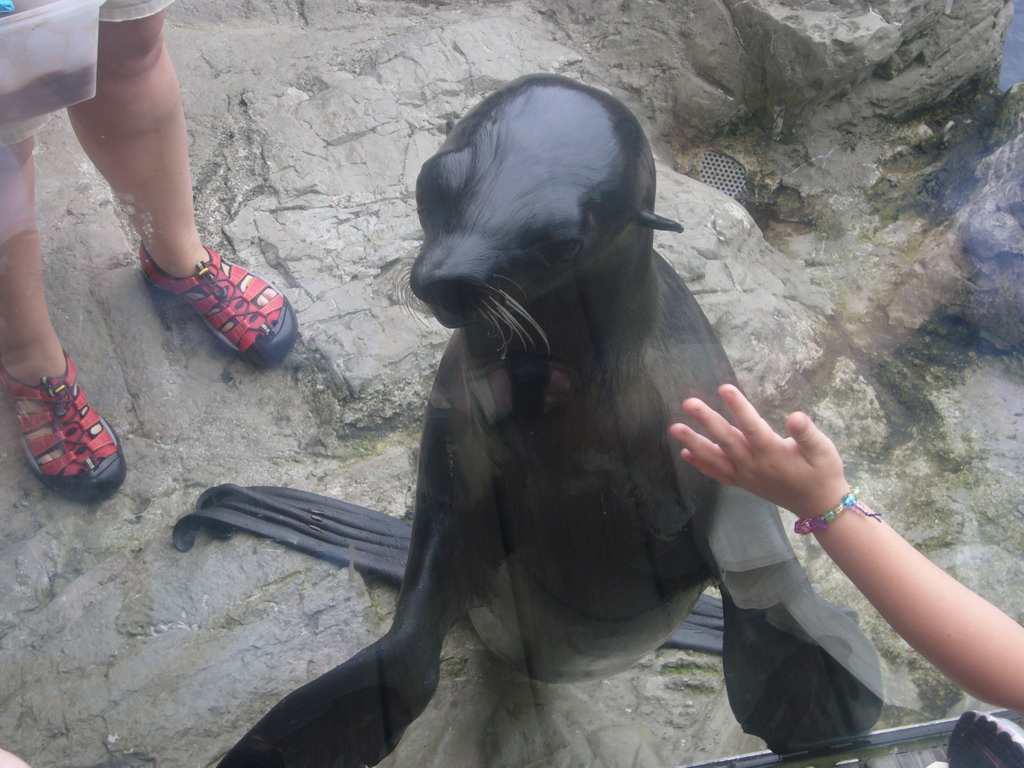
[[56, 421], [246, 312]]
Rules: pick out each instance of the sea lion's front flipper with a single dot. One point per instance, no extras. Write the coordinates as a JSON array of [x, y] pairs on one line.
[[798, 670], [793, 689], [351, 717], [354, 715]]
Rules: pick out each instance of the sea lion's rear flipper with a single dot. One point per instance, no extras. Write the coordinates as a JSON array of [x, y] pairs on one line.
[[703, 628], [373, 542], [798, 670], [336, 531]]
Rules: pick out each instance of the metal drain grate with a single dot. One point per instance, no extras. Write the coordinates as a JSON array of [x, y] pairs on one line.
[[724, 173]]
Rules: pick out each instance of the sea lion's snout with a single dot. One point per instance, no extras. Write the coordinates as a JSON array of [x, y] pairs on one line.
[[450, 275], [460, 279], [453, 302]]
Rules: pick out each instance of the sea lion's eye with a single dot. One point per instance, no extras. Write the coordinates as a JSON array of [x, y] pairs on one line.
[[558, 253]]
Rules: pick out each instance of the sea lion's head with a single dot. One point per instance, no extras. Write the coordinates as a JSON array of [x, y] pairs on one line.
[[545, 181]]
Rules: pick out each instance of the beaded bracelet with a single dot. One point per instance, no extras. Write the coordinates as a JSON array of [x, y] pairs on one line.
[[820, 523]]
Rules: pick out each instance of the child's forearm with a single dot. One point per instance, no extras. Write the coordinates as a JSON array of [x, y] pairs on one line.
[[971, 641]]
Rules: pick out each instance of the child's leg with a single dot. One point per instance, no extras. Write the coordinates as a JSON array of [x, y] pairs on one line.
[[68, 446], [29, 347], [134, 132]]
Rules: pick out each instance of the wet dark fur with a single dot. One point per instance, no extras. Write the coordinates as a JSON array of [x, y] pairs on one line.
[[550, 505]]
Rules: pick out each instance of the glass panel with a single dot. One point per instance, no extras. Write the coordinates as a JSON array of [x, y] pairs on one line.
[[259, 297]]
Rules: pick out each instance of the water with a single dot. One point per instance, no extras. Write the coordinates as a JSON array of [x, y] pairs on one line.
[[1013, 54]]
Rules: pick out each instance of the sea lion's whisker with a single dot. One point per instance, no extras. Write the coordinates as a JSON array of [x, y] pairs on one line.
[[507, 279], [510, 312], [501, 319], [519, 309], [509, 320], [409, 301], [488, 312]]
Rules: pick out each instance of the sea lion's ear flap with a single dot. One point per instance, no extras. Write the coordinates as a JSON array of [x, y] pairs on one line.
[[651, 220]]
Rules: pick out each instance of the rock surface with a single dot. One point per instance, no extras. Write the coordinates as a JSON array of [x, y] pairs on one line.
[[992, 231], [697, 67], [832, 286]]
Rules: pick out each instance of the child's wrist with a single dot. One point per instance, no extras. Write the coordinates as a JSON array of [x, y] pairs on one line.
[[817, 502], [849, 500]]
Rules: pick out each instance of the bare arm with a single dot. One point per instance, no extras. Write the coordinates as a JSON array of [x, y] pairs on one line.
[[972, 642]]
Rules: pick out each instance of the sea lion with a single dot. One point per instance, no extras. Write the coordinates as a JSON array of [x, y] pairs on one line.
[[550, 504]]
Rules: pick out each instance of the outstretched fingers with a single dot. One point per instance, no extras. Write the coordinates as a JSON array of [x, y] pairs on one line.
[[806, 434], [813, 444], [802, 472], [756, 430], [718, 429], [703, 454]]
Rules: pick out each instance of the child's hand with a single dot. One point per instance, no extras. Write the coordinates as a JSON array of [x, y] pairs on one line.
[[802, 473]]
